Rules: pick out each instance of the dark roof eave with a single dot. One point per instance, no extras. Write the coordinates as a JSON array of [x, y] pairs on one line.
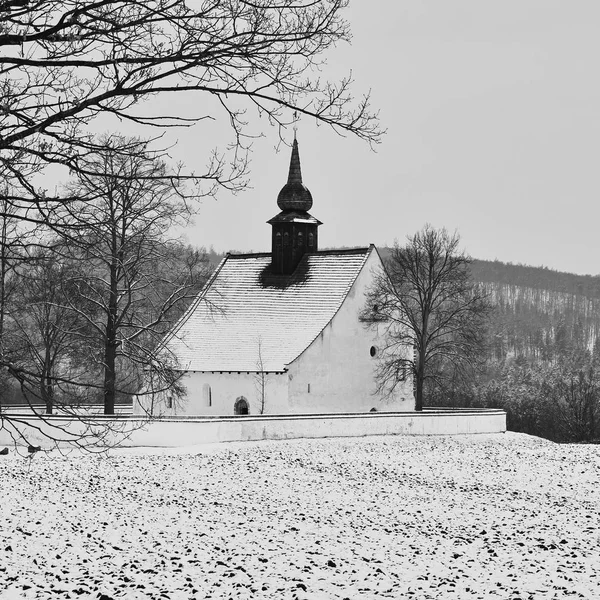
[[231, 371], [291, 216], [326, 251]]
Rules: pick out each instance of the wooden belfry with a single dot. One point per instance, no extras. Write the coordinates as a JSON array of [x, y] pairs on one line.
[[294, 230]]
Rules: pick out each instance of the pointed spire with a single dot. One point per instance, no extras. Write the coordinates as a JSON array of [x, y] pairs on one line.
[[294, 195], [295, 174]]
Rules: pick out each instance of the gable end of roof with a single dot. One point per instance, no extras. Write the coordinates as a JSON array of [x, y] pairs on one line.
[[367, 251]]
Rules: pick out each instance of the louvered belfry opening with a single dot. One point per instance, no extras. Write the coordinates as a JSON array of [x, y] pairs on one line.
[[294, 230]]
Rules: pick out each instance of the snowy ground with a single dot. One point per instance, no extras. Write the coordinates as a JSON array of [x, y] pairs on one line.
[[487, 516]]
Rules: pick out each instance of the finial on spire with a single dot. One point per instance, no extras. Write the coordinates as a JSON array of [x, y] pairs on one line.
[[296, 118]]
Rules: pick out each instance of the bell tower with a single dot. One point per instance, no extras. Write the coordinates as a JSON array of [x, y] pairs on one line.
[[294, 230]]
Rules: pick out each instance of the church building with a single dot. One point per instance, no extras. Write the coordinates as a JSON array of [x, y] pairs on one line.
[[279, 332]]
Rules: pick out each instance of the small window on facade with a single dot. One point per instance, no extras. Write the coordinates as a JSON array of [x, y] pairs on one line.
[[373, 351], [241, 406], [311, 240], [286, 239], [278, 239], [300, 239], [207, 394], [309, 388], [169, 401]]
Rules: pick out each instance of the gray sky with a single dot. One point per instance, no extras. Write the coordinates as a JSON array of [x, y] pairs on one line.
[[492, 117]]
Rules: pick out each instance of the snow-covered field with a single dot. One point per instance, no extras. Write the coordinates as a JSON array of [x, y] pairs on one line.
[[487, 516]]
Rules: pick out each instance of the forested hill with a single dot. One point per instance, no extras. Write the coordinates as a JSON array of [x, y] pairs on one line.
[[543, 352], [540, 313], [541, 278]]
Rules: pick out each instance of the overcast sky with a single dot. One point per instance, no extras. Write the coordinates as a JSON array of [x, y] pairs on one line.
[[491, 110]]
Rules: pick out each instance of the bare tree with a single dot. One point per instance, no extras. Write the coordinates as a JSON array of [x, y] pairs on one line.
[[425, 300], [18, 249], [45, 357], [42, 337], [136, 277], [10, 256], [65, 63]]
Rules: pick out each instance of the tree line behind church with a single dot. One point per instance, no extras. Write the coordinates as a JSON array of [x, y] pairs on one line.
[[541, 359], [89, 286]]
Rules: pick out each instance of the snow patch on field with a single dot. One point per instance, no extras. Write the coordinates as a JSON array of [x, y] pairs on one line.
[[504, 515]]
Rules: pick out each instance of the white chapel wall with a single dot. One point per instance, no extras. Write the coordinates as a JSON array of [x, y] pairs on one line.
[[336, 373], [213, 394]]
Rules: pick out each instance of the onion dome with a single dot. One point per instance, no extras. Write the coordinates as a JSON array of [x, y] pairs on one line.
[[294, 195]]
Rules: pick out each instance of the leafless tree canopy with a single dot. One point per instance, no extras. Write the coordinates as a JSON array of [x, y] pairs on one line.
[[425, 300], [133, 277], [62, 64]]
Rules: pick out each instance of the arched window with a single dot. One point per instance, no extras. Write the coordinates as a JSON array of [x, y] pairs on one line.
[[241, 406], [286, 239], [278, 239], [300, 238], [311, 240], [207, 394]]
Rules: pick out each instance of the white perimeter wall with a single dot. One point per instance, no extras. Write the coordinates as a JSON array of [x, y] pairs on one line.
[[338, 366], [173, 432]]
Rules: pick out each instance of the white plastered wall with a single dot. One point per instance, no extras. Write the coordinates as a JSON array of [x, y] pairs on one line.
[[225, 389], [338, 365]]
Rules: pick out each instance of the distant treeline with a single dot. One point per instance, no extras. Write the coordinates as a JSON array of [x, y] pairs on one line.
[[542, 278], [543, 353]]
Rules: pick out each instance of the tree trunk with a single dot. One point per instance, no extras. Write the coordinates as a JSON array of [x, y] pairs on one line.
[[419, 385], [110, 353], [110, 345], [48, 395], [47, 389]]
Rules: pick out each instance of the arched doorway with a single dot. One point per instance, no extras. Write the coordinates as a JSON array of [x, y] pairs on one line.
[[241, 406]]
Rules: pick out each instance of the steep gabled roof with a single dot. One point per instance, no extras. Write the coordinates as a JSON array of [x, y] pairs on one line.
[[244, 308]]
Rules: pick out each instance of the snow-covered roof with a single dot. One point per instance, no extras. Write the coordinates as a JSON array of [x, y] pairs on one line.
[[246, 316]]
